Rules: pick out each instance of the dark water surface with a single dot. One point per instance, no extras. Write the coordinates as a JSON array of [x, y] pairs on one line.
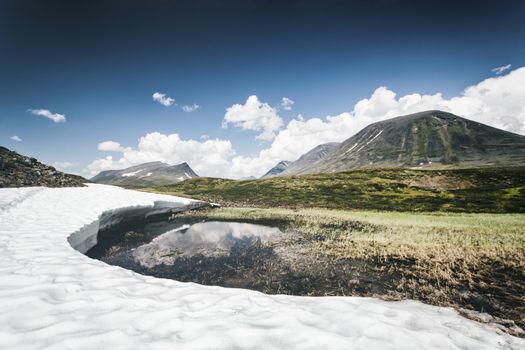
[[229, 254], [271, 258]]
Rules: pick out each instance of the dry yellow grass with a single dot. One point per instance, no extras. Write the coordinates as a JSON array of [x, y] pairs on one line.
[[474, 261], [366, 234]]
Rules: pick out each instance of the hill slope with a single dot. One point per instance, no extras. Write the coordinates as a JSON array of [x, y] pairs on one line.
[[309, 158], [146, 174], [277, 169], [431, 139], [17, 171]]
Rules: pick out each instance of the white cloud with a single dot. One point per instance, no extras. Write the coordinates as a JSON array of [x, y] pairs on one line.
[[164, 100], [499, 70], [15, 138], [204, 137], [287, 103], [496, 101], [298, 137], [208, 158], [102, 164], [57, 118], [254, 115], [110, 146], [64, 165], [190, 108]]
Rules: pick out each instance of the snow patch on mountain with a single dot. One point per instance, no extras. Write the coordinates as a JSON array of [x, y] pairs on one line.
[[152, 173]]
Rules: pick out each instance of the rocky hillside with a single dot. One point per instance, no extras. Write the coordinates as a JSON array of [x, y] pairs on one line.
[[277, 169], [146, 174], [18, 171], [431, 139], [309, 158]]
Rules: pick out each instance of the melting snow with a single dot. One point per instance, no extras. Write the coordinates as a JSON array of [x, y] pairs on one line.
[[366, 143], [351, 148], [375, 137], [130, 174], [53, 296]]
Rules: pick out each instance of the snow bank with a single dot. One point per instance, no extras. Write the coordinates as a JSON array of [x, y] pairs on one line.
[[53, 296]]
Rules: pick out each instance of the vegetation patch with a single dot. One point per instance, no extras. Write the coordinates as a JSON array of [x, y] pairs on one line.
[[468, 261], [451, 237], [489, 190]]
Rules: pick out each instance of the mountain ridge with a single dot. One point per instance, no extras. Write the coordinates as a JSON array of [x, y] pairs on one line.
[[429, 139], [313, 155], [149, 173], [277, 169]]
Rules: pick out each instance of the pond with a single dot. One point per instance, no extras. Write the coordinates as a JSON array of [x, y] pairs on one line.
[[277, 255], [229, 254]]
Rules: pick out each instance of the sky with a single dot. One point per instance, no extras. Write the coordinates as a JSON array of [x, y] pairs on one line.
[[233, 87]]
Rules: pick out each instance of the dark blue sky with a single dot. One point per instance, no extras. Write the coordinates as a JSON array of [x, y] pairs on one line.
[[99, 62]]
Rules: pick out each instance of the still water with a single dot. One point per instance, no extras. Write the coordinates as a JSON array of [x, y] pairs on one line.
[[229, 254]]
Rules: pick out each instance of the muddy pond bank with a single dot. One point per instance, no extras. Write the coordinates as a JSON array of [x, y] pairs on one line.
[[448, 261]]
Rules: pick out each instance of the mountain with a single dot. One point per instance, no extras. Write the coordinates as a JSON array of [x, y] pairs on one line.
[[152, 173], [431, 139], [17, 171], [306, 160], [277, 169]]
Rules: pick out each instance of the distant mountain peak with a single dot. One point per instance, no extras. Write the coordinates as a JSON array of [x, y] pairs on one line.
[[428, 139], [146, 174], [310, 157], [155, 162], [277, 169]]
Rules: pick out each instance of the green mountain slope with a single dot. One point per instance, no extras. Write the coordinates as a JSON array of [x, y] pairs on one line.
[[431, 139]]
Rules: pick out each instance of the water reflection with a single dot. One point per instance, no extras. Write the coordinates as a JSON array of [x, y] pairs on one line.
[[207, 239], [234, 254]]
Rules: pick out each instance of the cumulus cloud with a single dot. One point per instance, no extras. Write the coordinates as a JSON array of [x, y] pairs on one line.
[[57, 118], [102, 164], [254, 115], [205, 136], [15, 138], [496, 101], [287, 103], [110, 146], [190, 108], [208, 158], [499, 70], [164, 100]]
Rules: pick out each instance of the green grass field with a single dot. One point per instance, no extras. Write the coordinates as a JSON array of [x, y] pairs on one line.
[[445, 237], [491, 190]]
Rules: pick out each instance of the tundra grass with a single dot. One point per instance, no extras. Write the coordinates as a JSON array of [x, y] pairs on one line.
[[467, 261], [490, 190]]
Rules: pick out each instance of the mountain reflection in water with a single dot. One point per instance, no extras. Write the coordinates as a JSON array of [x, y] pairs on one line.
[[208, 239]]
